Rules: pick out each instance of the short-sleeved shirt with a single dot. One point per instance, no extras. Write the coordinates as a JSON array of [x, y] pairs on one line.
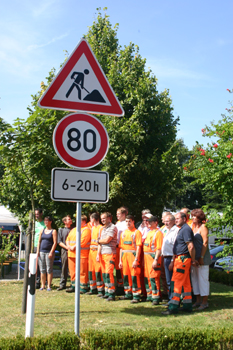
[[121, 227], [130, 239], [169, 240], [39, 225], [185, 235], [63, 234], [110, 230]]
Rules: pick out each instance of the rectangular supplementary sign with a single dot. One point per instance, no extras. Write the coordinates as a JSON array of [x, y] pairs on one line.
[[71, 185]]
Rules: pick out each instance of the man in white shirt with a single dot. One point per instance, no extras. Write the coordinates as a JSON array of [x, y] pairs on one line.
[[167, 247], [121, 227]]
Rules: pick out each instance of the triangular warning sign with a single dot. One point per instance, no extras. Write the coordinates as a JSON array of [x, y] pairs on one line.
[[81, 85]]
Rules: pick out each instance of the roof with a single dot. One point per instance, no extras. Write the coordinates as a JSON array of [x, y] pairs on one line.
[[6, 217]]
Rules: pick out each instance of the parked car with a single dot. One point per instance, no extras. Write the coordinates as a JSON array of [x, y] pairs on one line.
[[212, 246], [57, 259], [224, 264], [214, 252]]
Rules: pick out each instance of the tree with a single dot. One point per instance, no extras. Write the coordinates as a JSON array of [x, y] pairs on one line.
[[141, 161], [212, 166], [140, 142], [27, 155]]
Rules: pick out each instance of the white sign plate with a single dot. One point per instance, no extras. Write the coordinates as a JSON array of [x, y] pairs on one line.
[[71, 185], [80, 140]]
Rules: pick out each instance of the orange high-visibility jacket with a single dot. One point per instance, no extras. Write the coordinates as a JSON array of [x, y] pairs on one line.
[[85, 241]]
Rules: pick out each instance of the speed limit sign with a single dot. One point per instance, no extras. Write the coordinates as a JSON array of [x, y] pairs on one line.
[[80, 140]]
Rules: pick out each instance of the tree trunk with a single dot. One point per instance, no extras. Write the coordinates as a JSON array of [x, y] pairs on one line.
[[26, 271], [33, 222]]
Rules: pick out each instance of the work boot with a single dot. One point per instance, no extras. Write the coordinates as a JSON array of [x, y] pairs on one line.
[[134, 301], [70, 290], [61, 288], [104, 296], [124, 297]]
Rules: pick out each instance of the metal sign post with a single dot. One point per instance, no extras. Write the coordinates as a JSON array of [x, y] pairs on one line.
[[77, 267], [80, 140]]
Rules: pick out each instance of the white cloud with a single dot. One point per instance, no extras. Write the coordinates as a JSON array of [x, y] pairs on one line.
[[36, 46], [43, 7]]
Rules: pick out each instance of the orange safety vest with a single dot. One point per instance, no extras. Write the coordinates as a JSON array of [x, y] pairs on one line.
[[85, 241], [153, 241], [130, 239], [95, 235]]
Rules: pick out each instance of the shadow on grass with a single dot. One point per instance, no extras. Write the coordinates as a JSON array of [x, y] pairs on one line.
[[216, 302], [64, 313]]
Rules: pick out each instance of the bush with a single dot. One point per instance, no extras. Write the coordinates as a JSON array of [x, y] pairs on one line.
[[221, 277], [161, 339], [58, 341]]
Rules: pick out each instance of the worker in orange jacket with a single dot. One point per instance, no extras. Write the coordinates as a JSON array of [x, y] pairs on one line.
[[94, 267], [85, 248], [152, 255], [183, 258], [130, 249]]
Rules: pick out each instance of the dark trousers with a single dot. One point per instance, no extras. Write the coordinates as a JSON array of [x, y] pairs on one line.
[[168, 274], [64, 268], [163, 278], [38, 271]]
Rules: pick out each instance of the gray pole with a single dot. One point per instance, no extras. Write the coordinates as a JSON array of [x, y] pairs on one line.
[[77, 267]]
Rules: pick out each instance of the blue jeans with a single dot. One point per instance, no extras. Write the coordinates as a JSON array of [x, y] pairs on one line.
[[168, 274]]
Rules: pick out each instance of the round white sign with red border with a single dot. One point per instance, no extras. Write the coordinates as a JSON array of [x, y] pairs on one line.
[[80, 140]]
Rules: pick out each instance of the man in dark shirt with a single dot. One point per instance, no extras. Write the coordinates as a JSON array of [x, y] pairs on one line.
[[183, 257], [62, 235]]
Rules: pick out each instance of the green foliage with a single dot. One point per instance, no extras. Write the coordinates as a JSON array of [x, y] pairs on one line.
[[162, 339], [58, 341], [221, 277], [27, 155], [141, 142], [142, 160], [212, 167], [6, 244]]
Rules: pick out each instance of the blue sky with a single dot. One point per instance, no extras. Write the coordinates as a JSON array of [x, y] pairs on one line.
[[187, 44]]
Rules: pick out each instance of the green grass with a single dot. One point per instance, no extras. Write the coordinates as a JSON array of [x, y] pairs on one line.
[[54, 311]]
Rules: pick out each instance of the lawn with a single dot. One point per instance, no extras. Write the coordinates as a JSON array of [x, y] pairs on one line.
[[54, 311]]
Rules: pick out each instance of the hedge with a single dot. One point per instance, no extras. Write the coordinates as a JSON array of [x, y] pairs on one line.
[[221, 277], [160, 339]]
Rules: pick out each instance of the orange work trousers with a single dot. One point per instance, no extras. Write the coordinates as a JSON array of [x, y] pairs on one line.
[[71, 266], [107, 262], [181, 278], [95, 274], [84, 286], [83, 273], [132, 283], [152, 277]]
